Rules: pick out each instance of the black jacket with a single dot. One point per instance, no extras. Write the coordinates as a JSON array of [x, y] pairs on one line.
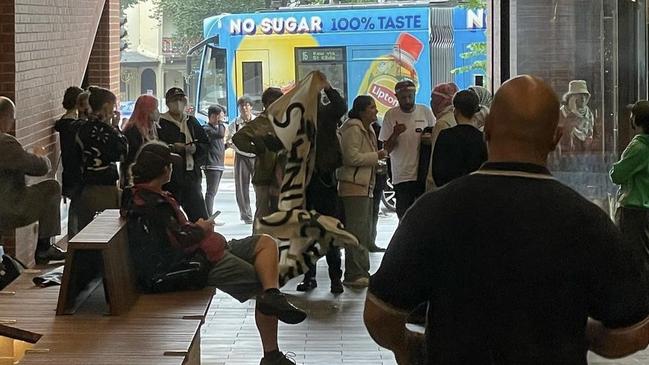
[[70, 155], [328, 155], [102, 146], [216, 149], [151, 222], [170, 133]]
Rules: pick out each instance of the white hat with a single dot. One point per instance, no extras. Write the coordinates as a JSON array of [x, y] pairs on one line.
[[577, 87]]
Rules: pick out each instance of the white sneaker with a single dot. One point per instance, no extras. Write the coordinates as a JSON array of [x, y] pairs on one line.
[[358, 283]]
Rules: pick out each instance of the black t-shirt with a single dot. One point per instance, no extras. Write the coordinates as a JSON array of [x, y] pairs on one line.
[[458, 151], [511, 266]]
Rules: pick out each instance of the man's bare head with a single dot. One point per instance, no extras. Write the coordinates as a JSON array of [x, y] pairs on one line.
[[7, 114], [523, 121]]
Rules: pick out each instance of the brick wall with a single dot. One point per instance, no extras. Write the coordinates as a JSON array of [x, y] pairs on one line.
[[46, 47], [7, 59], [52, 49], [103, 69]]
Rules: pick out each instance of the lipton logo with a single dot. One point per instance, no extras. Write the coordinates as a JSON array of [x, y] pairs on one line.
[[384, 95]]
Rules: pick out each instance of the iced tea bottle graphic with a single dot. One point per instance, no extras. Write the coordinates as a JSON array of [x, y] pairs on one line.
[[384, 72]]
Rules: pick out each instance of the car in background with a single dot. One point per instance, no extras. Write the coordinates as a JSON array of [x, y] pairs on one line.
[[126, 110]]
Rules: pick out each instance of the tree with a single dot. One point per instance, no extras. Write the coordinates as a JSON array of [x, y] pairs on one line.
[[188, 15], [475, 49], [128, 3]]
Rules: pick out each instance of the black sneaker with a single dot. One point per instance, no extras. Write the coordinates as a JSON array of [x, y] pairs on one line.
[[274, 303], [285, 359], [375, 249], [51, 254], [307, 285], [337, 287]]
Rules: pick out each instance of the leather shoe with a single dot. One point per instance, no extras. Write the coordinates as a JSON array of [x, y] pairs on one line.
[[307, 285], [53, 253], [274, 303]]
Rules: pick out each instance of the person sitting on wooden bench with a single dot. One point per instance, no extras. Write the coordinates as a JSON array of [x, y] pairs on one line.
[[23, 205], [171, 253]]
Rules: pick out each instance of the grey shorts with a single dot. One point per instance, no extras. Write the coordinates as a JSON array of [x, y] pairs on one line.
[[235, 273]]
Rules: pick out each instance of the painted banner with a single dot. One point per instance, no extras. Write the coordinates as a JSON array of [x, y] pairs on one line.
[[306, 234]]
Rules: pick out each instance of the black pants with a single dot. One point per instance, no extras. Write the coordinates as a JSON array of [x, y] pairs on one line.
[[190, 196], [322, 196], [634, 225], [213, 178], [406, 194], [379, 186]]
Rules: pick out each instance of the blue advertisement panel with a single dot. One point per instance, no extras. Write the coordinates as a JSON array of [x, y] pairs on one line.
[[469, 32], [362, 50]]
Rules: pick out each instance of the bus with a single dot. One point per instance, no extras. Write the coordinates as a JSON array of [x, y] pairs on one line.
[[363, 49]]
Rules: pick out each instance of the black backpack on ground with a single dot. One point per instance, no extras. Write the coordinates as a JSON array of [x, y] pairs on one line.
[[10, 269]]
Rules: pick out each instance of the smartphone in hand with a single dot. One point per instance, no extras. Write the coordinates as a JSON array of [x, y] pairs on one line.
[[213, 216]]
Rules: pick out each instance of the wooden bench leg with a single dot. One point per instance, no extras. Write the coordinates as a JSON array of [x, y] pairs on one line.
[[119, 277], [194, 356], [81, 276]]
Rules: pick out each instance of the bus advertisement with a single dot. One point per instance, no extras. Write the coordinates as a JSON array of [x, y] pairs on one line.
[[362, 50]]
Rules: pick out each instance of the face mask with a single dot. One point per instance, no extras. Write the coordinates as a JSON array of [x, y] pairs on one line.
[[177, 106]]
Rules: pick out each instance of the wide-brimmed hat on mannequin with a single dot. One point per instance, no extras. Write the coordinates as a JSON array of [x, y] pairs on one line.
[[577, 87]]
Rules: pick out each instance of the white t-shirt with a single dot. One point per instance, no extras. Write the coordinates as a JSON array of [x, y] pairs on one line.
[[404, 157]]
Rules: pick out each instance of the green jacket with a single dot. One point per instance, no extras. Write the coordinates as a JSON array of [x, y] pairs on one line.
[[632, 173], [258, 137]]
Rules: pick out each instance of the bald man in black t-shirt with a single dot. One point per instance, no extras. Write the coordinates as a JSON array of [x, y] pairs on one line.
[[511, 262]]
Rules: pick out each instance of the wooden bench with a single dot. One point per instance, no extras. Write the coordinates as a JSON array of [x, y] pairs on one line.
[[99, 255], [140, 328]]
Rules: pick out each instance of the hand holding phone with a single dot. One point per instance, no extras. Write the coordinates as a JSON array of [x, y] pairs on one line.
[[213, 216]]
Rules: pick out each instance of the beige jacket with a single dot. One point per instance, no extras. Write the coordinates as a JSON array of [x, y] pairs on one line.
[[360, 158], [447, 120]]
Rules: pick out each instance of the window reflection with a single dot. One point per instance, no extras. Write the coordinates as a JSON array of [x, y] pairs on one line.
[[593, 54], [213, 83]]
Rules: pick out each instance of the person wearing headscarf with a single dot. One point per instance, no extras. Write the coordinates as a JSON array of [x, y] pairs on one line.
[[486, 98], [441, 102]]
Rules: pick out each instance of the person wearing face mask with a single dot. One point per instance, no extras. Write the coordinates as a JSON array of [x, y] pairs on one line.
[[102, 145], [139, 129], [185, 136]]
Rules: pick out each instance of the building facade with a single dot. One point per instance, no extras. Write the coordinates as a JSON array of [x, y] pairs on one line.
[[151, 63]]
